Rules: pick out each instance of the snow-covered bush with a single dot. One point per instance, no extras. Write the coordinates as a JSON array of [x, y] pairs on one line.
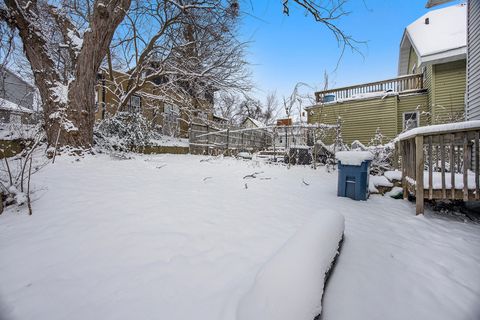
[[382, 153], [123, 132], [16, 170]]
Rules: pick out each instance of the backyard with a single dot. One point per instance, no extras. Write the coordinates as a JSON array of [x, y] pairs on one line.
[[184, 237]]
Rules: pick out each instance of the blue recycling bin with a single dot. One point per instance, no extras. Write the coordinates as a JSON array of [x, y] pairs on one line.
[[353, 180]]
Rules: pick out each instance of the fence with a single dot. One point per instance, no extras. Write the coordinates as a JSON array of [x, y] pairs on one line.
[[206, 139], [447, 157]]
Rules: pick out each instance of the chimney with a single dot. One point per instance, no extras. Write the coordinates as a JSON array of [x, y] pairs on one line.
[[427, 20]]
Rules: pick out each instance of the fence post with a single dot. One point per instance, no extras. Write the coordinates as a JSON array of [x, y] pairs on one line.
[[273, 141], [419, 167], [228, 135]]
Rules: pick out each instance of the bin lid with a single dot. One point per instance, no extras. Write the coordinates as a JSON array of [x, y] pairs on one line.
[[353, 158]]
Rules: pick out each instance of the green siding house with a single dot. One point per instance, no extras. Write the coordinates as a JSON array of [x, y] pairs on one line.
[[429, 89]]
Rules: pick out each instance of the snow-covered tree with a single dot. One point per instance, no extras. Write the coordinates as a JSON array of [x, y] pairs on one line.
[[66, 42]]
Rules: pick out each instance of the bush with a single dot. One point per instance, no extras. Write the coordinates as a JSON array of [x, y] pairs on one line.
[[123, 132]]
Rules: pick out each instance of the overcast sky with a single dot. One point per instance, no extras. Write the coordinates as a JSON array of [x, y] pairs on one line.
[[286, 50]]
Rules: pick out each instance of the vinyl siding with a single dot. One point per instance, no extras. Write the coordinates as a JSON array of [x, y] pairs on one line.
[[473, 95], [448, 95], [360, 118], [411, 103], [412, 61], [428, 84]]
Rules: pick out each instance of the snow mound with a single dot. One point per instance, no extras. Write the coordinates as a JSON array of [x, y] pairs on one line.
[[353, 158], [393, 175], [290, 285]]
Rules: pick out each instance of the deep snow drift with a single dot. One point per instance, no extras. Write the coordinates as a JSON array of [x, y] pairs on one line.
[[178, 237]]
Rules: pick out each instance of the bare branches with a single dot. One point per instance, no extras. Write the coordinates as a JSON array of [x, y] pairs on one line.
[[328, 12]]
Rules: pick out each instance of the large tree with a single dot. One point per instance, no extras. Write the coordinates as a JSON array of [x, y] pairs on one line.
[[65, 47], [66, 41]]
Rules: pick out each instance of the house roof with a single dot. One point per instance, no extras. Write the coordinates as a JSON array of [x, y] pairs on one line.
[[442, 39], [257, 123]]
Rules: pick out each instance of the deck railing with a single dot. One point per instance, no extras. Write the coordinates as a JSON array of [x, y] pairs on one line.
[[441, 165], [407, 83]]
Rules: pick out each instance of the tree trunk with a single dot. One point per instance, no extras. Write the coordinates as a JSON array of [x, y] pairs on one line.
[[69, 111]]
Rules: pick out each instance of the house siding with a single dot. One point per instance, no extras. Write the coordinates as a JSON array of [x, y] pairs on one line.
[[412, 62], [15, 90], [448, 92], [360, 118], [412, 103], [428, 79], [473, 61]]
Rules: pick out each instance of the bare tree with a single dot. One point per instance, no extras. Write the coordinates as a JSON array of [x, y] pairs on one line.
[[190, 55], [65, 46], [65, 43], [226, 105], [271, 109]]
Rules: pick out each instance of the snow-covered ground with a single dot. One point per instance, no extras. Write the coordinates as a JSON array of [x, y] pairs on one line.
[[179, 237]]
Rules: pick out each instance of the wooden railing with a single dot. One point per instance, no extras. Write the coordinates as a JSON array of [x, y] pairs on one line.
[[450, 159], [407, 83]]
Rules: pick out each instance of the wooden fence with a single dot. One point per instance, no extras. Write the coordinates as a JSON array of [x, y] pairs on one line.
[[231, 140], [450, 160], [205, 139]]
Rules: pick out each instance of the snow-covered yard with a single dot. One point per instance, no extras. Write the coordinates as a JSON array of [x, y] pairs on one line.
[[179, 237]]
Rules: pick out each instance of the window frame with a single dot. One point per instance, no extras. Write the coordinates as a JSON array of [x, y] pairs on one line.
[[404, 120]]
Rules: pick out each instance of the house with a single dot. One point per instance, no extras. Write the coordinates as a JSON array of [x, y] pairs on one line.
[[251, 123], [16, 98], [429, 88], [473, 56], [171, 113]]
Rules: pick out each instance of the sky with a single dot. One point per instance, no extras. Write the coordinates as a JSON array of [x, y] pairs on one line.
[[284, 50]]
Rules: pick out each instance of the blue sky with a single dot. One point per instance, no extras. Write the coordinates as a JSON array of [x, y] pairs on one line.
[[286, 50]]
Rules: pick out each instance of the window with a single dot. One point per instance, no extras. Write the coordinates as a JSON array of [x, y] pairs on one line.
[[135, 103], [410, 120], [171, 114]]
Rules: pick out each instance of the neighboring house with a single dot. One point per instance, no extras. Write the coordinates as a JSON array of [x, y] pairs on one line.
[[167, 113], [429, 89], [250, 123], [16, 98]]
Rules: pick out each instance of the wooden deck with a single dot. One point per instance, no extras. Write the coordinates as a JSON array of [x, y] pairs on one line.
[[403, 84], [449, 154]]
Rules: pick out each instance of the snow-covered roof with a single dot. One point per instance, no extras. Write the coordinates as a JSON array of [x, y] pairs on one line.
[[447, 127], [257, 123], [10, 106], [438, 36]]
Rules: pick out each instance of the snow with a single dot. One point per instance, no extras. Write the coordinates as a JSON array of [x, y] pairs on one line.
[[437, 180], [299, 266], [168, 141], [380, 181], [75, 40], [353, 158], [394, 192], [60, 92], [8, 105], [393, 175], [445, 35], [437, 128], [182, 237]]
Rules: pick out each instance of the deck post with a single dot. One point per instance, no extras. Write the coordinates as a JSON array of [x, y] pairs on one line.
[[403, 153], [419, 167]]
